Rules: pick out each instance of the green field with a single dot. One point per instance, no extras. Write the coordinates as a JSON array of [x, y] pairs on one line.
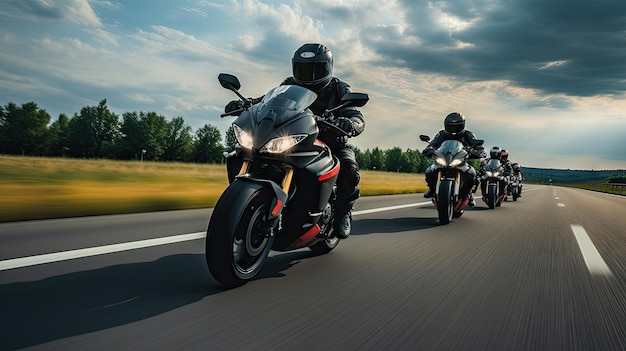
[[43, 188]]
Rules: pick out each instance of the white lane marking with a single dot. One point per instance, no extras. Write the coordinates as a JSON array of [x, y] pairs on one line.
[[556, 198], [594, 261], [560, 204], [93, 251], [101, 250], [390, 208]]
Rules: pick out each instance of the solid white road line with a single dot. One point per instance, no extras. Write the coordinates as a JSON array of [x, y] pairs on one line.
[[93, 251], [594, 261], [101, 250], [390, 208]]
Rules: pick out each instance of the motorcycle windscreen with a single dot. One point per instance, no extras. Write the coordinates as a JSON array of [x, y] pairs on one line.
[[493, 165], [452, 147], [284, 102]]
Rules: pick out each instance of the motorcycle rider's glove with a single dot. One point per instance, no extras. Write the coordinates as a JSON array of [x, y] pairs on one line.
[[233, 106], [345, 124]]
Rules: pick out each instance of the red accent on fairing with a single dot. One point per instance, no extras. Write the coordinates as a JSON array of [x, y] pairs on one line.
[[318, 142], [305, 238], [279, 205], [333, 172]]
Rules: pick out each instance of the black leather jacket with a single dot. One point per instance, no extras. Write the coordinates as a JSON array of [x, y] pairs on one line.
[[330, 97], [467, 138]]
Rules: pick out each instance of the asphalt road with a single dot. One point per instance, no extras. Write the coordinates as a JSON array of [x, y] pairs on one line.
[[543, 273]]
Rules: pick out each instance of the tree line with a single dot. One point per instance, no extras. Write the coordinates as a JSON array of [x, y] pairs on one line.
[[97, 133]]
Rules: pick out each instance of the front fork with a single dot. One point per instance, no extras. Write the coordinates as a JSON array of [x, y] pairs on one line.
[[285, 184], [457, 183]]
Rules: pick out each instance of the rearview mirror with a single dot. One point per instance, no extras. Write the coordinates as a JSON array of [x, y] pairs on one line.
[[355, 99], [229, 81], [425, 138]]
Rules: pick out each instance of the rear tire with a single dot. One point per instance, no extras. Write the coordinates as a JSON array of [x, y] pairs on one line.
[[237, 244], [445, 203], [326, 226]]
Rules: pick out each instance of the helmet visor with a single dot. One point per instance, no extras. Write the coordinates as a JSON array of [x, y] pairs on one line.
[[310, 71], [455, 128]]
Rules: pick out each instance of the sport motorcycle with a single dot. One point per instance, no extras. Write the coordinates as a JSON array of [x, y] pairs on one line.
[[514, 187], [450, 162], [496, 183], [282, 182]]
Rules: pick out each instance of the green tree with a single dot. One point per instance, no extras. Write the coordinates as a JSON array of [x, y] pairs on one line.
[[207, 146], [143, 131], [411, 161], [59, 136], [393, 159], [178, 141], [362, 158], [23, 130], [377, 159], [93, 132], [231, 140]]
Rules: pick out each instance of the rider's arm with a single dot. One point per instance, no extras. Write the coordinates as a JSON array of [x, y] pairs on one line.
[[352, 113]]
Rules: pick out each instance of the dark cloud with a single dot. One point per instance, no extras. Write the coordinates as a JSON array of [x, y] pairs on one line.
[[574, 47]]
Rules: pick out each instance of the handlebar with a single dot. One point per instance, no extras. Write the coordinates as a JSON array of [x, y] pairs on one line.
[[327, 126]]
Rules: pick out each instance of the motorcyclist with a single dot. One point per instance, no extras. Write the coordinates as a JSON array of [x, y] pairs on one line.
[[312, 68], [494, 154], [454, 129], [506, 164], [517, 172]]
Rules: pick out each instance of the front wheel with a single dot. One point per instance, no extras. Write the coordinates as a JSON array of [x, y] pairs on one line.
[[514, 193], [238, 237], [492, 195], [445, 202]]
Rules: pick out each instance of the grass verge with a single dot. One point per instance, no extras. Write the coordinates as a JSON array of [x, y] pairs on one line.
[[599, 188], [44, 188]]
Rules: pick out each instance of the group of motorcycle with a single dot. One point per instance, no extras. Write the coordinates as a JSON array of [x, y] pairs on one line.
[[282, 182], [451, 160]]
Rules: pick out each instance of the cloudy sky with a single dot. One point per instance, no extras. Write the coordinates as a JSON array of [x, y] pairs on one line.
[[545, 79]]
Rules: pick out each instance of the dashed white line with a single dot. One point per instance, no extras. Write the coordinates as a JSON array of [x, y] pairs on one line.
[[560, 204], [594, 261]]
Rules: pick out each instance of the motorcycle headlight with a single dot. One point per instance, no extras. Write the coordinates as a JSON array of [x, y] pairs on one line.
[[243, 138], [441, 161], [456, 162], [489, 174], [282, 144]]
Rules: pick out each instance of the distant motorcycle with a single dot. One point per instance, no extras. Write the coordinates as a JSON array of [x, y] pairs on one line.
[[450, 162], [496, 183], [282, 187], [515, 186]]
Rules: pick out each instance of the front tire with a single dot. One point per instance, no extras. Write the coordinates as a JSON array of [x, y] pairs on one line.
[[238, 240], [445, 203], [492, 195]]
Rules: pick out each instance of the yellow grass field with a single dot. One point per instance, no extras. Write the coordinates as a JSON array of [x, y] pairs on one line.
[[41, 188]]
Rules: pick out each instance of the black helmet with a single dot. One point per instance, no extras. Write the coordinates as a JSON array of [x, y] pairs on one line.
[[454, 123], [504, 155], [495, 152], [312, 66]]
